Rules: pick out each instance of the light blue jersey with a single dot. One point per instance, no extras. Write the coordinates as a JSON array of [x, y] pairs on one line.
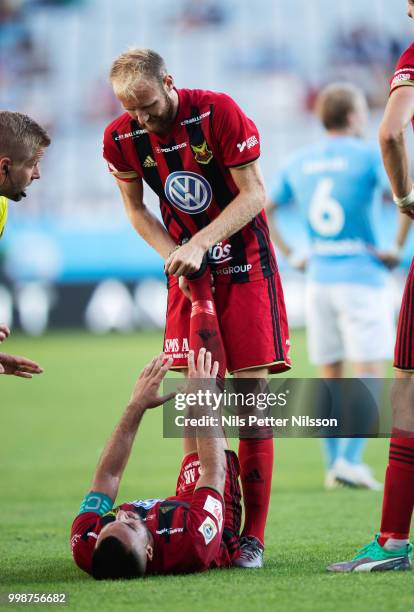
[[336, 184]]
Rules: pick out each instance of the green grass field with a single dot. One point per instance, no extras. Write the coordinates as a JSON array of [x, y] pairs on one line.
[[52, 432]]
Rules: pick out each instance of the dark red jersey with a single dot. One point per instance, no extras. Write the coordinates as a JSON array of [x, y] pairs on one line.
[[193, 531], [404, 344], [190, 172], [404, 71]]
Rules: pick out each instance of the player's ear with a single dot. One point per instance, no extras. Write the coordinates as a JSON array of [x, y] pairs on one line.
[[150, 551], [5, 162], [168, 82]]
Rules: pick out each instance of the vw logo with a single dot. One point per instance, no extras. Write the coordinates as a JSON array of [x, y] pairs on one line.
[[188, 192]]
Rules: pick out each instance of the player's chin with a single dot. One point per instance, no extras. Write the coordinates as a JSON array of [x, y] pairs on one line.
[[16, 197], [155, 129]]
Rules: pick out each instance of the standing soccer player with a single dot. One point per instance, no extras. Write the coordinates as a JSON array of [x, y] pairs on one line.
[[391, 550], [22, 144], [349, 314], [198, 152]]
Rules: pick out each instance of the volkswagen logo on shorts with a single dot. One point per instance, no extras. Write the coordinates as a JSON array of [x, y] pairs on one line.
[[188, 191]]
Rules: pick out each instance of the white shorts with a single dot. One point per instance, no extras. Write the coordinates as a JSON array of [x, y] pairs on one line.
[[349, 322]]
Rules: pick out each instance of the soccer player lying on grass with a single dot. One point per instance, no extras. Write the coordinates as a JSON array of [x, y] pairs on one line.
[[192, 531]]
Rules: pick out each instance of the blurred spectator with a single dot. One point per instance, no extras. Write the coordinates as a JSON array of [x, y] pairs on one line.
[[56, 3], [263, 54], [101, 104], [362, 55], [21, 56], [201, 13], [8, 9], [368, 46]]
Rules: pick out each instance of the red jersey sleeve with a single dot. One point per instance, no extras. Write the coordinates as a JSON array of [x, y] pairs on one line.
[[404, 72], [84, 533], [205, 523], [236, 134], [112, 153]]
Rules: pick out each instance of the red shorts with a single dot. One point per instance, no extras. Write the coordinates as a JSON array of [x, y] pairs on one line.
[[252, 319], [404, 346], [186, 483]]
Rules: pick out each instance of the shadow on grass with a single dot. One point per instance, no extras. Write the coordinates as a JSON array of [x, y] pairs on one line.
[[64, 572], [41, 572]]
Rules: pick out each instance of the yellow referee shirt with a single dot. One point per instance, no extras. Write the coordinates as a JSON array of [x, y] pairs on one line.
[[3, 214]]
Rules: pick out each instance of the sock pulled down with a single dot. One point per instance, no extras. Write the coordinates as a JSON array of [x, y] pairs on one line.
[[255, 455], [204, 327]]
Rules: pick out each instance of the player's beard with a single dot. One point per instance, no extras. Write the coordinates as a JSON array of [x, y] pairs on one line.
[[16, 197], [16, 192], [162, 123]]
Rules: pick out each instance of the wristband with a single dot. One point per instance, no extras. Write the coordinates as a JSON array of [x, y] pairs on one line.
[[405, 202], [96, 502]]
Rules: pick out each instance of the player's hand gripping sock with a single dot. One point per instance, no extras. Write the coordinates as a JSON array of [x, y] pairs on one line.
[[204, 327]]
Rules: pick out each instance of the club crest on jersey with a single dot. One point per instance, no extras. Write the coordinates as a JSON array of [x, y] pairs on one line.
[[202, 153], [208, 529], [189, 192]]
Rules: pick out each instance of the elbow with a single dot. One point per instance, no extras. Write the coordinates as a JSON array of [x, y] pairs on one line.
[[390, 135], [138, 224]]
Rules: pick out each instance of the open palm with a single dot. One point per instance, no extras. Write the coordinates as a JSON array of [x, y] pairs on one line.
[[18, 366]]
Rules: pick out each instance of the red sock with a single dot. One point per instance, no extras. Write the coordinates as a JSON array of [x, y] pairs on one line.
[[256, 467], [204, 328], [398, 502]]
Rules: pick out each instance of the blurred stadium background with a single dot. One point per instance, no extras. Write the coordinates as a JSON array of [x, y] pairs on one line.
[[69, 257]]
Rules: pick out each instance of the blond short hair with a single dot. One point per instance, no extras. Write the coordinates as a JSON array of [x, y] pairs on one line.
[[131, 67], [20, 136], [335, 102]]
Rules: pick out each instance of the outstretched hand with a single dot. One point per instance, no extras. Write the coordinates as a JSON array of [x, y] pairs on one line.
[[205, 367], [4, 332], [146, 390], [18, 366]]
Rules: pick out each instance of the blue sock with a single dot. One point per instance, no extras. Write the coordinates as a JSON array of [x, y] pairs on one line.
[[332, 450], [353, 448]]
